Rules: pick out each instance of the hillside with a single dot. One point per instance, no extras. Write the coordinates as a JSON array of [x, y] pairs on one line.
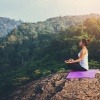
[[56, 87], [6, 25], [35, 50], [50, 26]]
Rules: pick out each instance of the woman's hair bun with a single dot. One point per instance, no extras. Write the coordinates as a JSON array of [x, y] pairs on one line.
[[88, 40]]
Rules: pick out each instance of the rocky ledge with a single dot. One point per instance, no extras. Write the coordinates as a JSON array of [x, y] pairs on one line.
[[57, 87]]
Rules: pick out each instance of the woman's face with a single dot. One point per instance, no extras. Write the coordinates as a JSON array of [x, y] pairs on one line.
[[80, 43]]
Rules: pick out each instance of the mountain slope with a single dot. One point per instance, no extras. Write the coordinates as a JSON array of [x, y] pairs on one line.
[[50, 26], [6, 25], [31, 51]]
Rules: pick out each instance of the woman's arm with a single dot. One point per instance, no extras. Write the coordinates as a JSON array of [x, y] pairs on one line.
[[83, 51]]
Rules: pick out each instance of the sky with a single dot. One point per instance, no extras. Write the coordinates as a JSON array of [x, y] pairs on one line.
[[40, 10]]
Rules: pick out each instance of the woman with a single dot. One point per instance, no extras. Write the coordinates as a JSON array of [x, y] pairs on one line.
[[80, 64]]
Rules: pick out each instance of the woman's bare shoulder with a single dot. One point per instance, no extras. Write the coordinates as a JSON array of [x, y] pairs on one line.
[[84, 51]]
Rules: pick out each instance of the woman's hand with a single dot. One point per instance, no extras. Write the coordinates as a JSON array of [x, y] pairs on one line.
[[69, 61]]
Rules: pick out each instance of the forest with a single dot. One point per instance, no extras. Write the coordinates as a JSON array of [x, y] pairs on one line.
[[27, 54]]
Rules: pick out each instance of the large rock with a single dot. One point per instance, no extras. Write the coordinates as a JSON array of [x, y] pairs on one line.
[[57, 87]]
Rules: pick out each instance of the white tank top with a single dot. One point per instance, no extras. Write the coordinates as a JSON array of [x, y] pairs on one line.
[[84, 61]]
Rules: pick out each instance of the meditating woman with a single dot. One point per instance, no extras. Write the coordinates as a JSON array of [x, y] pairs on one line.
[[80, 64]]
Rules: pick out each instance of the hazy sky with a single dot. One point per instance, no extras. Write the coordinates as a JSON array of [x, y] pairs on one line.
[[40, 10]]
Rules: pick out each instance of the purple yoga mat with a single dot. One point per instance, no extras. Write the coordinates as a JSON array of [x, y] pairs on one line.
[[83, 74]]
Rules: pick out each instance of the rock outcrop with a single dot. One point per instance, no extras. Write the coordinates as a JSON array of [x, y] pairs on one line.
[[57, 87]]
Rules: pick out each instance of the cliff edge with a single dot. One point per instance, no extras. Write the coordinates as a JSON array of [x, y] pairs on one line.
[[57, 87]]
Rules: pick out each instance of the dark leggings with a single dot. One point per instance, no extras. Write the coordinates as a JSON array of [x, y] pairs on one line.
[[75, 67]]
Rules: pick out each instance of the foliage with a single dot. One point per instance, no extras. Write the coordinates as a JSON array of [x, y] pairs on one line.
[[27, 55]]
